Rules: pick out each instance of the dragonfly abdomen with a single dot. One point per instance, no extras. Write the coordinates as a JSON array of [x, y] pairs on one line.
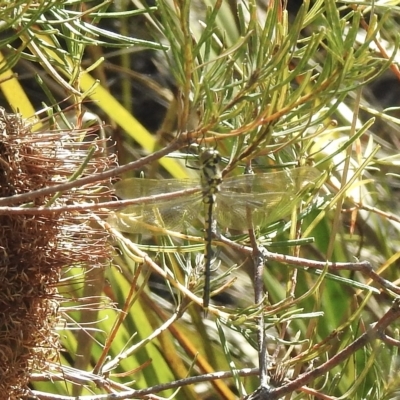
[[211, 179]]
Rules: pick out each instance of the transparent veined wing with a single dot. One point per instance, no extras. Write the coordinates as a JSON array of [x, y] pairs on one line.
[[153, 214], [257, 200], [242, 201]]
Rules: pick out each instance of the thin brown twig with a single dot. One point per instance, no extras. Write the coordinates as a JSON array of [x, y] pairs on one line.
[[141, 393], [361, 266], [7, 210], [102, 176]]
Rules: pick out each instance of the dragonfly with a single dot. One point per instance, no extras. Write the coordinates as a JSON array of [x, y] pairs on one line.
[[249, 201]]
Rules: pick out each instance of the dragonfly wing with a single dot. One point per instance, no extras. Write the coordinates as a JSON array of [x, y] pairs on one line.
[[280, 181], [240, 212], [260, 199], [154, 215], [134, 188]]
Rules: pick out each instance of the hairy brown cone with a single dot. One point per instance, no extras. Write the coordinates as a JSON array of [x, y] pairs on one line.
[[35, 248]]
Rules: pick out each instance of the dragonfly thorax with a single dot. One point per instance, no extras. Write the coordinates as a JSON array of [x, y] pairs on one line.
[[211, 176]]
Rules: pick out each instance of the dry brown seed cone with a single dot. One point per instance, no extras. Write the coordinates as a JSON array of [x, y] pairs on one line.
[[34, 248]]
